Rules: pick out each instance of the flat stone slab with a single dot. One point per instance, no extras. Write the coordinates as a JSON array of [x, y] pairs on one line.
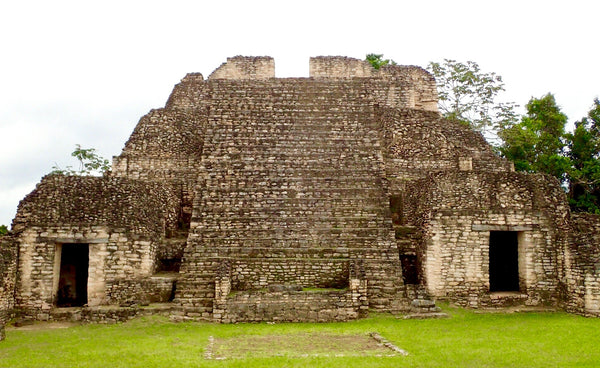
[[426, 315], [301, 345]]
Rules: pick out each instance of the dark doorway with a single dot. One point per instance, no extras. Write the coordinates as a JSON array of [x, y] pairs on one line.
[[504, 261], [73, 280], [410, 269]]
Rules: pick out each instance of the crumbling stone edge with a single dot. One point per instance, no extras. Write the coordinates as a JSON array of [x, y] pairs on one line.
[[382, 340]]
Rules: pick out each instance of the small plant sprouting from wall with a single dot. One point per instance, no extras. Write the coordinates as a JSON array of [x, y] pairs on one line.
[[90, 163]]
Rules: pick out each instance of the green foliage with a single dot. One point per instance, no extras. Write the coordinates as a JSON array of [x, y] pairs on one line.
[[89, 163], [377, 60], [584, 152], [468, 95], [3, 230], [536, 144]]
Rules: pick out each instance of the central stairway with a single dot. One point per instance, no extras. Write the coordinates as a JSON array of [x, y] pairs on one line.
[[291, 191]]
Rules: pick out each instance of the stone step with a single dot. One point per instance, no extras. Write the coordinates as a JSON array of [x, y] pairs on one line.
[[256, 137], [318, 132], [335, 247], [282, 249], [294, 187], [318, 221], [276, 179], [248, 100], [279, 95], [267, 121], [314, 234], [273, 171], [280, 203], [291, 197], [298, 147], [270, 212]]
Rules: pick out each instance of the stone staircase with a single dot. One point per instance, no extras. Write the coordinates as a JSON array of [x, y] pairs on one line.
[[291, 175]]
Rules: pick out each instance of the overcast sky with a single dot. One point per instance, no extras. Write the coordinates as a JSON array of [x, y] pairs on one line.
[[85, 72]]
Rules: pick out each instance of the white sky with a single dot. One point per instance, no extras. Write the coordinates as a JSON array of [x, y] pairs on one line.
[[85, 72]]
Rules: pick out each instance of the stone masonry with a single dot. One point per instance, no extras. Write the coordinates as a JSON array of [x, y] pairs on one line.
[[253, 198], [7, 279]]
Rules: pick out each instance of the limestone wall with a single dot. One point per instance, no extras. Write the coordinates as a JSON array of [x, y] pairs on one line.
[[417, 143], [119, 203], [290, 182], [582, 266], [307, 306], [290, 302], [190, 94], [118, 220], [340, 67], [166, 146], [415, 84], [8, 257], [456, 212], [141, 290], [291, 171], [246, 67]]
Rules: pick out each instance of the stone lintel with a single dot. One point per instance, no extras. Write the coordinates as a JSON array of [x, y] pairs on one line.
[[73, 240], [488, 227]]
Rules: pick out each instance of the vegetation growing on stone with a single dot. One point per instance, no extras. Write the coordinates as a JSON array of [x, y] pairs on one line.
[[89, 163]]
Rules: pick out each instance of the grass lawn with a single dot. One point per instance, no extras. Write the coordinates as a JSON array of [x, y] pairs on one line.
[[467, 339]]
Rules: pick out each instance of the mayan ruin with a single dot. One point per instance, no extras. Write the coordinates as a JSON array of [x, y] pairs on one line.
[[254, 198]]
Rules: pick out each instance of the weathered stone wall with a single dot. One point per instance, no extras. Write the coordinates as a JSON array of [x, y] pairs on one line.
[[113, 256], [291, 303], [292, 172], [8, 257], [299, 306], [141, 291], [416, 86], [456, 212], [119, 220], [253, 274], [166, 146], [340, 67], [582, 266], [417, 143], [246, 67], [119, 203], [293, 183]]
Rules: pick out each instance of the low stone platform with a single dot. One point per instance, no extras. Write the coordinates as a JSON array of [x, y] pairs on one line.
[[103, 314]]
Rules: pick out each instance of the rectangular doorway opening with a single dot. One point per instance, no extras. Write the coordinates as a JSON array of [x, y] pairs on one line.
[[410, 269], [73, 279], [504, 261]]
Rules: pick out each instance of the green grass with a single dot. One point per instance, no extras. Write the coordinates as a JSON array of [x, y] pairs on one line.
[[467, 339]]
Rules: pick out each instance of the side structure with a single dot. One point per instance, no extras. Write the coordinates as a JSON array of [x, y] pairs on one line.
[[253, 198], [8, 268]]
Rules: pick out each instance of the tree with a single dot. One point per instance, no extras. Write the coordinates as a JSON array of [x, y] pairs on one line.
[[537, 142], [89, 163], [584, 152], [3, 230], [377, 60], [468, 95]]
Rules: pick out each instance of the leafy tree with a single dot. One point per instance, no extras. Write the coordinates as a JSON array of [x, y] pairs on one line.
[[89, 163], [584, 152], [3, 230], [537, 142], [468, 95], [377, 60]]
